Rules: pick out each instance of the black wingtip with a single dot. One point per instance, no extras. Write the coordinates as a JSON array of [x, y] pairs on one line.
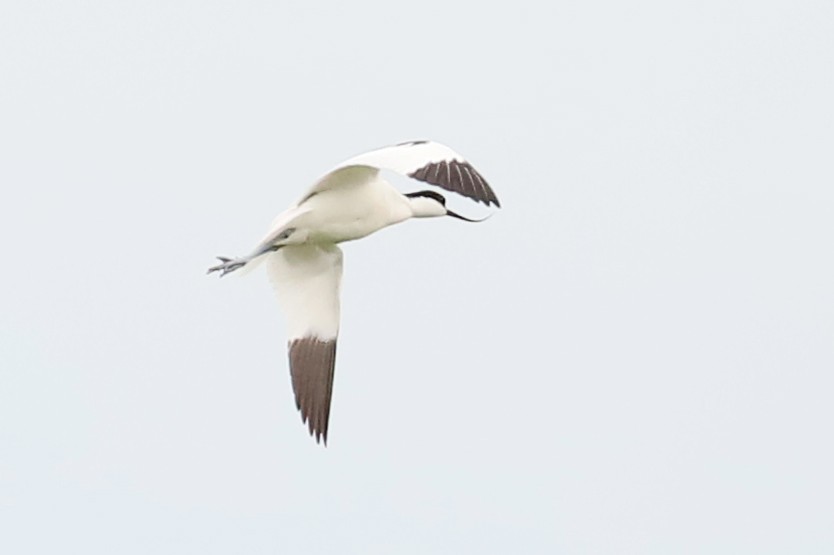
[[457, 176], [312, 362]]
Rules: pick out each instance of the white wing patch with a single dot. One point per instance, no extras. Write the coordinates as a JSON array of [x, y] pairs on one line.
[[307, 279], [346, 176]]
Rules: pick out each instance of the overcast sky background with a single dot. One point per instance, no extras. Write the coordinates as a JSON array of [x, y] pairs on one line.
[[635, 355]]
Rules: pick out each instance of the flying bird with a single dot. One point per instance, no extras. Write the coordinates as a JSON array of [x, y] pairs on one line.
[[304, 262]]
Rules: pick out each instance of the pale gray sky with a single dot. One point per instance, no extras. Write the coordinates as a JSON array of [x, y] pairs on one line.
[[636, 355]]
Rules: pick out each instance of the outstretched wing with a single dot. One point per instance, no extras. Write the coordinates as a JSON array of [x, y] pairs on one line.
[[306, 279], [426, 161]]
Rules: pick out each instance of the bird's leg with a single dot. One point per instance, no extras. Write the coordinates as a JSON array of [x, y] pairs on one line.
[[232, 264], [229, 265]]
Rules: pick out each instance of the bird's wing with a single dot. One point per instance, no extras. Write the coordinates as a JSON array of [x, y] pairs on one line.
[[306, 279], [427, 161]]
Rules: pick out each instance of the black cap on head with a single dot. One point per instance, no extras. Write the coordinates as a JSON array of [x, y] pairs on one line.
[[442, 200], [430, 194]]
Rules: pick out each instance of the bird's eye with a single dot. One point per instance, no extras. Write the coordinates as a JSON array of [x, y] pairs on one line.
[[286, 233]]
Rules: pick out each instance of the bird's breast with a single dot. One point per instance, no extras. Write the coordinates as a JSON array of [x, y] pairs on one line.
[[345, 216]]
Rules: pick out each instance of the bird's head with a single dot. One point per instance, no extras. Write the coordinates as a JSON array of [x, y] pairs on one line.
[[428, 204]]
